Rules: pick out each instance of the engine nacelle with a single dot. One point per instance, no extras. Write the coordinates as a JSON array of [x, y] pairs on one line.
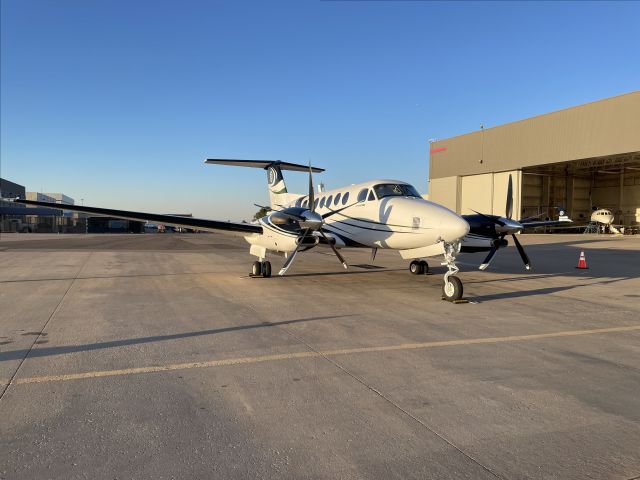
[[500, 243], [309, 241]]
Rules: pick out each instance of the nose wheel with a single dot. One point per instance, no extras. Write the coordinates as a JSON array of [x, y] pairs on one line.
[[261, 269], [452, 288]]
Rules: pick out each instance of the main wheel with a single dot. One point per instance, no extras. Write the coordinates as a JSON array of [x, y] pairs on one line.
[[256, 269], [425, 267], [452, 290], [415, 267], [266, 269]]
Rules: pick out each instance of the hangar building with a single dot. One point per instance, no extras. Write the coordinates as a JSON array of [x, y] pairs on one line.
[[579, 158]]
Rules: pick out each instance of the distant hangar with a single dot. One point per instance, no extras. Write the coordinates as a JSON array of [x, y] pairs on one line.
[[578, 158]]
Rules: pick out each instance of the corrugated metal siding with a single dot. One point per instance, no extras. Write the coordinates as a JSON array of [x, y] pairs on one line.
[[606, 127]]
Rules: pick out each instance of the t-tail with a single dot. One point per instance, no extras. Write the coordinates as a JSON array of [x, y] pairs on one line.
[[278, 194]]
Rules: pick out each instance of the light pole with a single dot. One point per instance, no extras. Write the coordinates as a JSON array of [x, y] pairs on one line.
[[481, 143]]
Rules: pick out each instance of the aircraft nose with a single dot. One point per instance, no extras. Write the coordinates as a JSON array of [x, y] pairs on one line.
[[453, 228]]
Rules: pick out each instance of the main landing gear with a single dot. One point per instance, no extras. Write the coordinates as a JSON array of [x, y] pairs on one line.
[[419, 267], [452, 288], [261, 269]]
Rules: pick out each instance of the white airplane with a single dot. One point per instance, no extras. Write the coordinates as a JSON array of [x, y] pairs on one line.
[[603, 216], [379, 214]]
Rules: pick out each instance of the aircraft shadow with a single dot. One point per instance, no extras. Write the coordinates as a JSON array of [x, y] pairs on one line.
[[100, 277], [547, 259], [346, 272], [51, 351], [534, 292]]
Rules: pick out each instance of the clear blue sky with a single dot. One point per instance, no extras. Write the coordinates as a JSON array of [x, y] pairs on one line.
[[119, 102]]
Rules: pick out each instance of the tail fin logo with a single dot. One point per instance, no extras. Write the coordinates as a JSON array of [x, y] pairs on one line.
[[273, 176]]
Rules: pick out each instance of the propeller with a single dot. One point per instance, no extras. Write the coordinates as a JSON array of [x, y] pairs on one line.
[[506, 226], [311, 222], [509, 207]]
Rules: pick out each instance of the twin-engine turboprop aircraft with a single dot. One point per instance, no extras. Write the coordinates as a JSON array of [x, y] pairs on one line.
[[385, 214]]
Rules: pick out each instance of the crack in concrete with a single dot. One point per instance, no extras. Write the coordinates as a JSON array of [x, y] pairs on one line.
[[40, 333], [378, 393]]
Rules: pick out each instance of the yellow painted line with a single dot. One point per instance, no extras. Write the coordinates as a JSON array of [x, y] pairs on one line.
[[313, 354]]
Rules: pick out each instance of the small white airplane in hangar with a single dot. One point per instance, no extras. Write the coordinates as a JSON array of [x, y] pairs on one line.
[[602, 216], [386, 214]]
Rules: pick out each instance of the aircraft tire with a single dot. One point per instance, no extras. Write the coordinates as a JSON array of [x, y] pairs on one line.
[[452, 290], [266, 269], [256, 269], [425, 267], [415, 268]]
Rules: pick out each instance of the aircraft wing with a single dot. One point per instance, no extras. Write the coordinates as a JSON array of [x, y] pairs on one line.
[[546, 223], [173, 220]]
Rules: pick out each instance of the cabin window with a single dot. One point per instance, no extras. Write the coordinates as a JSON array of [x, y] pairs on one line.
[[371, 196], [345, 198], [299, 202], [305, 203], [337, 200], [315, 204], [329, 200], [322, 202], [362, 195]]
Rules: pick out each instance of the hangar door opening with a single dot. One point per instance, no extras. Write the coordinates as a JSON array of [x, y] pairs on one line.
[[581, 186]]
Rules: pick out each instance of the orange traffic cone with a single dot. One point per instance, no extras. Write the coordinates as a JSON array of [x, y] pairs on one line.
[[582, 262]]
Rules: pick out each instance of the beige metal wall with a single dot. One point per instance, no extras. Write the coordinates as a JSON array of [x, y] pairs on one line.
[[605, 127], [477, 194], [483, 193], [445, 192]]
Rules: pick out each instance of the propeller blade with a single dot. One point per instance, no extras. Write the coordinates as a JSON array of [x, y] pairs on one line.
[[331, 212], [523, 255], [342, 260], [289, 261], [509, 209], [312, 202], [290, 215], [491, 218], [487, 260], [373, 254]]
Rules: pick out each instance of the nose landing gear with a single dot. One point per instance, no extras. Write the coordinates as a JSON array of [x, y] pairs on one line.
[[452, 288]]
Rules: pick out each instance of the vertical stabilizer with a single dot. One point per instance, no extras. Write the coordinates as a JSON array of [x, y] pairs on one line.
[[278, 194], [277, 187]]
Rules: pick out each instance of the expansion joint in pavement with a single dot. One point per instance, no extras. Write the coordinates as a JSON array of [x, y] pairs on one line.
[[37, 337], [377, 392]]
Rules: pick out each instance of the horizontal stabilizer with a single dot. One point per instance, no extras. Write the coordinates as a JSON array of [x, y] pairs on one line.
[[264, 164]]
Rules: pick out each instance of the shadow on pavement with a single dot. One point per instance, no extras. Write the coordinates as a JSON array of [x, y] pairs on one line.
[[50, 351]]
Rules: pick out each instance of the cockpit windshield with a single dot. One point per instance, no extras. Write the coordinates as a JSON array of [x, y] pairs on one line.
[[395, 190]]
